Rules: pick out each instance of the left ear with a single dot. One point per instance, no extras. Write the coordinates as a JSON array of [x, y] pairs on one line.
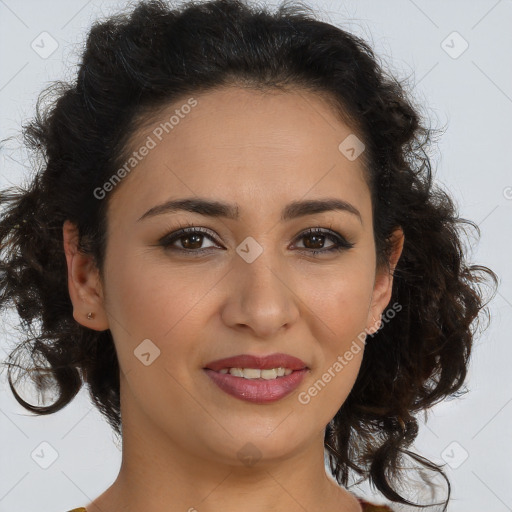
[[383, 286], [84, 283]]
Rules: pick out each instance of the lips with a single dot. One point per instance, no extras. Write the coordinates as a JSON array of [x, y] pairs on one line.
[[259, 390], [261, 362]]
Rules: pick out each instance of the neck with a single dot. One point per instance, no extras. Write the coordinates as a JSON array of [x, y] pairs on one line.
[[159, 475]]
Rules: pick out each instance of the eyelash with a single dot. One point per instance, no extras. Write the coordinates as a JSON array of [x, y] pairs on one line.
[[341, 244]]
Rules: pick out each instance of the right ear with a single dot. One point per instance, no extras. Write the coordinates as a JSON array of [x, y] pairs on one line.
[[84, 283]]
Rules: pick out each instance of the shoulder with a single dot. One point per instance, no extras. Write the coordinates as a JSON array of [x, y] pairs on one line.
[[370, 507], [366, 505]]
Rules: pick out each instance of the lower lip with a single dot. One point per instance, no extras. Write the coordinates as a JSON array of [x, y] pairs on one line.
[[258, 391]]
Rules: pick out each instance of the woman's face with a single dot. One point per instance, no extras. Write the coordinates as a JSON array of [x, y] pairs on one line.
[[246, 285]]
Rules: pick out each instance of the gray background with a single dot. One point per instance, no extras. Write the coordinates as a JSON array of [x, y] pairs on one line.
[[470, 92]]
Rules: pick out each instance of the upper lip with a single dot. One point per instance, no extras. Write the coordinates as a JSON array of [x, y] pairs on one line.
[[261, 362]]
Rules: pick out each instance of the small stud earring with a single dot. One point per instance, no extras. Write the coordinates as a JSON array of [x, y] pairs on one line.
[[90, 316]]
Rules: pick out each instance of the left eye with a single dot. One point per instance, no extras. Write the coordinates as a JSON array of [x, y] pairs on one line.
[[317, 236], [192, 238]]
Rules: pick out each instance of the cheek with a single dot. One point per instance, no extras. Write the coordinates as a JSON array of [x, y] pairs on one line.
[[339, 299], [338, 324], [150, 299], [338, 308]]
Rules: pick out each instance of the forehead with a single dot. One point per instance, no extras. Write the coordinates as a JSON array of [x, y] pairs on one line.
[[244, 146]]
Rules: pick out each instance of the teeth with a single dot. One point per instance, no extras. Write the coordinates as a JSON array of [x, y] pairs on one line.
[[251, 373], [269, 374], [256, 373]]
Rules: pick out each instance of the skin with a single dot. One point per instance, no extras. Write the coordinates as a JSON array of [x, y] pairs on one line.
[[181, 433]]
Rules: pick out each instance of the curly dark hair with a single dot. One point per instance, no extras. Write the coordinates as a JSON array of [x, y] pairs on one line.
[[134, 64]]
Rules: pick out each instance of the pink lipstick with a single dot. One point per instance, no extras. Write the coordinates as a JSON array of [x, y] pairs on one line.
[[257, 379]]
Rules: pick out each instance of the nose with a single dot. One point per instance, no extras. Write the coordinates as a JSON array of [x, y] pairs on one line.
[[261, 298]]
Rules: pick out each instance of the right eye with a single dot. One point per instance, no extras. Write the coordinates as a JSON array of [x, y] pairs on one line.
[[191, 239]]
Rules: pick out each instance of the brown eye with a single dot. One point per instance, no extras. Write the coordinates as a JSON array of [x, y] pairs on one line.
[[314, 241], [316, 238], [191, 240]]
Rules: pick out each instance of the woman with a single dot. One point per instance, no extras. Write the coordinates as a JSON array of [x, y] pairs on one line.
[[330, 304]]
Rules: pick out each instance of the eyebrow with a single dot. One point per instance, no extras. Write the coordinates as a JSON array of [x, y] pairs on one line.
[[212, 208]]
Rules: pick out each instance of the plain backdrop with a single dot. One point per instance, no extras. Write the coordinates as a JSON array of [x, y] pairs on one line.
[[456, 55]]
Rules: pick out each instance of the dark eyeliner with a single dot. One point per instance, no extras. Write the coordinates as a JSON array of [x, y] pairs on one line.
[[340, 243], [167, 240]]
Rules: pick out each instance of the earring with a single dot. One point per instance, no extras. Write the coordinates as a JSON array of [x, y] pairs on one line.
[[90, 315]]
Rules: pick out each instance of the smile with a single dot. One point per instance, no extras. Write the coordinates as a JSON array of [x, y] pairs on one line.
[[257, 373]]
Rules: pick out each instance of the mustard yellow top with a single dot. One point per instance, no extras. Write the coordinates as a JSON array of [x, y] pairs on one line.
[[367, 507]]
